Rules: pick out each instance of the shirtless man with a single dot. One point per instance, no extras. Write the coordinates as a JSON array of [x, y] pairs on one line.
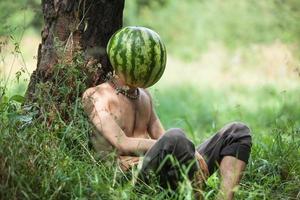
[[126, 121]]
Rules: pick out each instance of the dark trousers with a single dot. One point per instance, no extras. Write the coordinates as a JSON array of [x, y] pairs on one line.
[[174, 154]]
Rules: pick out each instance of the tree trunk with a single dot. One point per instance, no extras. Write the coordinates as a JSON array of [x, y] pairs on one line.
[[73, 26]]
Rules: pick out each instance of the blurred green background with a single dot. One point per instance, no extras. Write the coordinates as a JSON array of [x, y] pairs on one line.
[[232, 60], [208, 41]]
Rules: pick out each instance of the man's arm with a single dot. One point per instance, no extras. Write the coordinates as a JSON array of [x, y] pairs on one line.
[[155, 128], [103, 120]]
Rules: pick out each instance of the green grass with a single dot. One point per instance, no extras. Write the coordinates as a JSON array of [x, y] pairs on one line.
[[40, 161], [273, 116]]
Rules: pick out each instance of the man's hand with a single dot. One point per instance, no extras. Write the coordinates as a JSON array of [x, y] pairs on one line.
[[200, 176], [127, 162], [202, 165]]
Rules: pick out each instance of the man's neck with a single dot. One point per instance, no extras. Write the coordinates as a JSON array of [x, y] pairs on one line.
[[121, 87]]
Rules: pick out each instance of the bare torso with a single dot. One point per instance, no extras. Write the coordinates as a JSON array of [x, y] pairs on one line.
[[135, 117], [132, 115]]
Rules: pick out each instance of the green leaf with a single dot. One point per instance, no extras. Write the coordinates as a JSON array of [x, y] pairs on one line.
[[17, 98]]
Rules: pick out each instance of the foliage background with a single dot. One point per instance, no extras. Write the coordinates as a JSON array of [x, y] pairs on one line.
[[227, 61]]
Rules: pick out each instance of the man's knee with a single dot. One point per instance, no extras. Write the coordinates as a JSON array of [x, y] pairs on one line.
[[238, 141], [238, 132], [176, 140], [238, 126], [175, 134], [237, 129]]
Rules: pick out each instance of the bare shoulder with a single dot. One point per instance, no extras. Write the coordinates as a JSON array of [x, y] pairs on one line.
[[145, 96], [145, 92], [104, 90], [99, 95]]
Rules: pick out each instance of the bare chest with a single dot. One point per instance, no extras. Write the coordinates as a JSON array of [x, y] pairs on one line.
[[132, 116]]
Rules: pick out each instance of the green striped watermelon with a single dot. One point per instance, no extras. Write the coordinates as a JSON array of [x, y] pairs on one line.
[[137, 55]]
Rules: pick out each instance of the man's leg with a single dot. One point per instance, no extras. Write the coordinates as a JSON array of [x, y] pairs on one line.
[[231, 170], [229, 149], [173, 144]]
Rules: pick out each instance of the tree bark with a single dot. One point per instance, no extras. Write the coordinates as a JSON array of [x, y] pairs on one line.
[[73, 26]]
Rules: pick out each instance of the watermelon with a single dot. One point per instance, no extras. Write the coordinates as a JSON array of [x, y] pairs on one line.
[[137, 55]]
